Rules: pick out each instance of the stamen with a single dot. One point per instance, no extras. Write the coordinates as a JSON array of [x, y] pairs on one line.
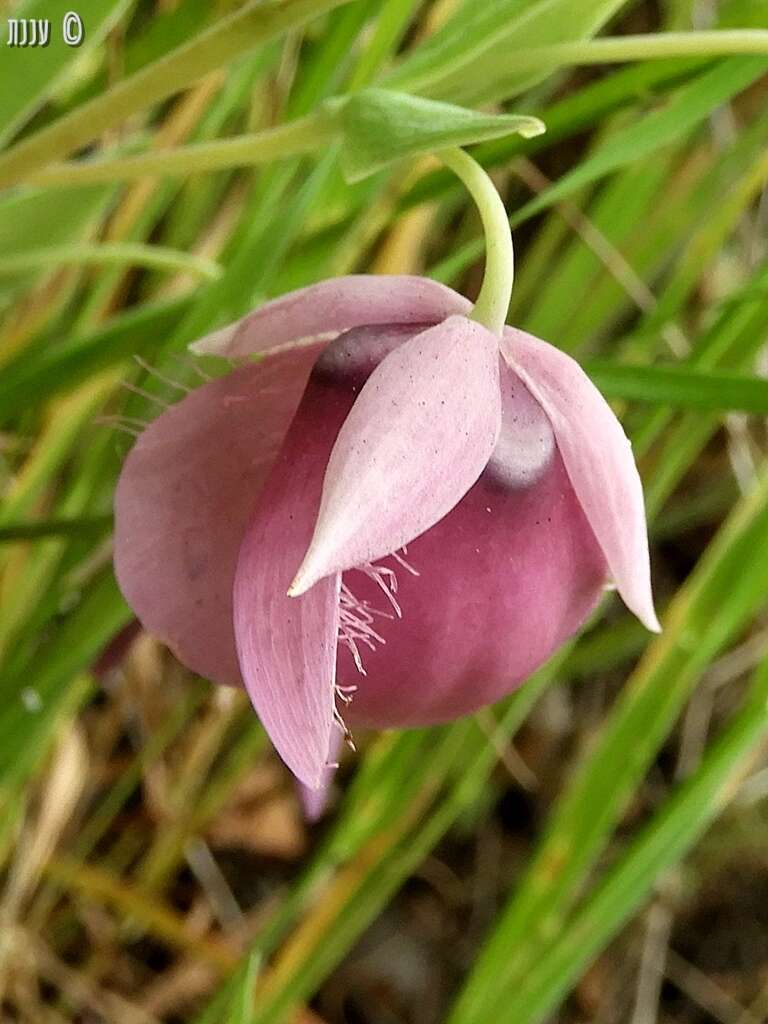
[[386, 579], [406, 565], [161, 376], [126, 424], [136, 390], [348, 738], [190, 364], [356, 620]]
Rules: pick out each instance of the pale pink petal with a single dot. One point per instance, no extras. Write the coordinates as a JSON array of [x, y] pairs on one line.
[[185, 494], [286, 646], [419, 435], [504, 580], [598, 457], [333, 306], [315, 801]]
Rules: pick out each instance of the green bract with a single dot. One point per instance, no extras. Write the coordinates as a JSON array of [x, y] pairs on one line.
[[381, 126]]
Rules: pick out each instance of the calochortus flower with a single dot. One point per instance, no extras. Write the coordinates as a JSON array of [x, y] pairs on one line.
[[390, 518]]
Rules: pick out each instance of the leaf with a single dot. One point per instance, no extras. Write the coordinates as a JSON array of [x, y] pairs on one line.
[[664, 841], [690, 105], [28, 78], [37, 529], [455, 63], [382, 126], [56, 671], [28, 217], [725, 589], [119, 254], [39, 373], [681, 386], [687, 108], [244, 30]]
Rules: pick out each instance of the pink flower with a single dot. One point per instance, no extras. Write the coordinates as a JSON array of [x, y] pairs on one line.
[[444, 507]]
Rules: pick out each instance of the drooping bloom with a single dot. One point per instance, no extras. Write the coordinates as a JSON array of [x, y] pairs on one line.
[[391, 518]]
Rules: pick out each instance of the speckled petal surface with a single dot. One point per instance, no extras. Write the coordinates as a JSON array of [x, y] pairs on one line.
[[417, 438]]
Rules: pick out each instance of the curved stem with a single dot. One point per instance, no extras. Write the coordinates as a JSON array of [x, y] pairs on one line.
[[493, 301]]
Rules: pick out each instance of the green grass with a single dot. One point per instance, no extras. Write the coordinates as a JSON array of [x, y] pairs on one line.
[[640, 227]]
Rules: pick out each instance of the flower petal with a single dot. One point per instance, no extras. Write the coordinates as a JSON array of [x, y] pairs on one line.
[[333, 306], [598, 457], [315, 801], [186, 492], [504, 579], [419, 435], [287, 647]]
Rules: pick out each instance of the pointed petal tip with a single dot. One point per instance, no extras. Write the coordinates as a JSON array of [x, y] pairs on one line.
[[644, 610], [651, 622], [310, 572], [420, 433], [302, 581], [213, 344]]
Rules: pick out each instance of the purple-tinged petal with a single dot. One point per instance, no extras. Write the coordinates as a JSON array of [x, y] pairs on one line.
[[504, 580], [598, 457], [333, 306], [419, 435], [287, 647], [184, 498]]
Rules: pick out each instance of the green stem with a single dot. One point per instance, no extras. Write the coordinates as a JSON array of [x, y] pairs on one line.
[[115, 253], [304, 135], [644, 47], [493, 301], [256, 23]]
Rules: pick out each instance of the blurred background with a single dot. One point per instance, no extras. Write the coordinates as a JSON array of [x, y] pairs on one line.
[[596, 847]]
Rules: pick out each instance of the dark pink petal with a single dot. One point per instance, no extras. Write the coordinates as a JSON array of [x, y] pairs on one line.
[[598, 457], [504, 579], [333, 306], [186, 492], [419, 435]]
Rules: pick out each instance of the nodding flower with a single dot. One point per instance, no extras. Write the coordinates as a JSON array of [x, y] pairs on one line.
[[391, 517]]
